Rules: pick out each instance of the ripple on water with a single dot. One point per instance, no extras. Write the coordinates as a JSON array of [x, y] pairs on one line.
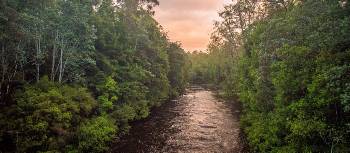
[[195, 122]]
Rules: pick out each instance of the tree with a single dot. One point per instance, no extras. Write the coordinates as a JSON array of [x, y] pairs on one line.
[[289, 71], [108, 63]]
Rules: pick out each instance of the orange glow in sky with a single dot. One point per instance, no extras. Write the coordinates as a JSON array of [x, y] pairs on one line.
[[189, 21]]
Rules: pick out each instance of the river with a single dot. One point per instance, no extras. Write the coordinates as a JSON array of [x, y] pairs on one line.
[[197, 122]]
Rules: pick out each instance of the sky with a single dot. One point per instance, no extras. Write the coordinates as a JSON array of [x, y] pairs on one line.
[[189, 21]]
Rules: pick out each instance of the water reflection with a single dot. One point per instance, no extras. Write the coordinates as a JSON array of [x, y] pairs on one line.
[[196, 122]]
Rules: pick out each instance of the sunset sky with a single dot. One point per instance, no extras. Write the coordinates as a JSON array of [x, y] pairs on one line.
[[189, 21]]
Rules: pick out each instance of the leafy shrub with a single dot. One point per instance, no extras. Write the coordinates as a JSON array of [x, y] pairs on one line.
[[95, 134], [46, 115]]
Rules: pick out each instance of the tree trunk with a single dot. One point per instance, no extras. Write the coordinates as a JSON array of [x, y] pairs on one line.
[[3, 64], [37, 63], [64, 68], [3, 67], [54, 58], [61, 64]]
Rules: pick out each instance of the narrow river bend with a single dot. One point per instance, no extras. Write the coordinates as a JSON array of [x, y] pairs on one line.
[[196, 122]]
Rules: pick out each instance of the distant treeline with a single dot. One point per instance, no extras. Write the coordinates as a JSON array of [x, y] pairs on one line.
[[74, 72], [288, 62]]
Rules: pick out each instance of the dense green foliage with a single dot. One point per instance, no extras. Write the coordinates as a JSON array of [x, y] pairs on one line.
[[75, 73], [289, 65]]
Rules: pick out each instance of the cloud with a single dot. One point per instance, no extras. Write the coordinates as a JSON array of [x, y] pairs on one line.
[[189, 21]]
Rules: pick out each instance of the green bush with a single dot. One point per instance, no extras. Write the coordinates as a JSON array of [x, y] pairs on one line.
[[46, 115], [95, 134]]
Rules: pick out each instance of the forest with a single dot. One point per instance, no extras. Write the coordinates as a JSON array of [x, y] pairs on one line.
[[75, 73], [288, 63]]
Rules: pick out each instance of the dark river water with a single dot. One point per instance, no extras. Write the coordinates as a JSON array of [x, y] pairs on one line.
[[196, 122]]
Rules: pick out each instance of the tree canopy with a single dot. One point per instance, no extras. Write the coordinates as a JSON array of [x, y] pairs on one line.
[[287, 62], [75, 73]]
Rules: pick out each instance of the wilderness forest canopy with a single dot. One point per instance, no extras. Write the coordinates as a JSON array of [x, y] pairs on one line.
[[288, 62], [74, 73]]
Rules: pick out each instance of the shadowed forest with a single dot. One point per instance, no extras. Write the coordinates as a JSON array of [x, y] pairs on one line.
[[76, 74]]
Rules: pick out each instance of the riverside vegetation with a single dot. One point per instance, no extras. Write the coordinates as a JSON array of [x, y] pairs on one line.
[[288, 62], [75, 73]]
